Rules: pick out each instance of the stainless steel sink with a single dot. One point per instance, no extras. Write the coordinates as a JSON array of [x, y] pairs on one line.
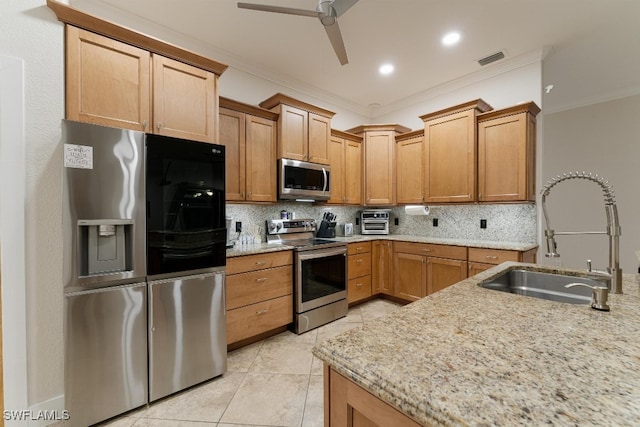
[[543, 285]]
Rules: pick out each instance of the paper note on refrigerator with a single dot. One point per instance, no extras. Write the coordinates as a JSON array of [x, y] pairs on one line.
[[78, 156]]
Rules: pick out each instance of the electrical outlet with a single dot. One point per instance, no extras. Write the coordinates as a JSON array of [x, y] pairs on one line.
[[483, 223], [396, 221], [434, 221], [238, 227]]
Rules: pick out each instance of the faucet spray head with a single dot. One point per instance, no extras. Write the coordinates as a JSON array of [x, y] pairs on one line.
[[552, 246]]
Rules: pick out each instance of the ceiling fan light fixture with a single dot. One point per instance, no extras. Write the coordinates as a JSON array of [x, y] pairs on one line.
[[326, 13]]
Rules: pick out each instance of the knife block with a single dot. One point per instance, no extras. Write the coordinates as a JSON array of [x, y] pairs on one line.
[[327, 229]]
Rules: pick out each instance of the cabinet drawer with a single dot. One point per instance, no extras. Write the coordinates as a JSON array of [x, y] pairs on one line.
[[255, 286], [252, 320], [246, 263], [358, 248], [358, 288], [430, 250], [492, 256], [358, 265]]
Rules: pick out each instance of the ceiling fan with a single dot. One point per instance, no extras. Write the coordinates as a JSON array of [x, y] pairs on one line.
[[327, 11]]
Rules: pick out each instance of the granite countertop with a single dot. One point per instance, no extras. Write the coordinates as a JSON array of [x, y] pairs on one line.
[[488, 244], [473, 356]]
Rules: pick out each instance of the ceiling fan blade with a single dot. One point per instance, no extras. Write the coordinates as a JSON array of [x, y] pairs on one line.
[[341, 6], [278, 9], [335, 37]]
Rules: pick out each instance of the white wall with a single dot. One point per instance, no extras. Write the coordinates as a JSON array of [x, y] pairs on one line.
[[30, 31], [603, 138]]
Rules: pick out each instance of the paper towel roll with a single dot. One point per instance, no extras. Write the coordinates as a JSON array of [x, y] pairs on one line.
[[416, 210]]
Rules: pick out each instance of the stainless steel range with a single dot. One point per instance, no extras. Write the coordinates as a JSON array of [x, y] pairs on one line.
[[320, 272]]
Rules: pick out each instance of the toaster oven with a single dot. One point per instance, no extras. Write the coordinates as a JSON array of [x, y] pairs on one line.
[[374, 221]]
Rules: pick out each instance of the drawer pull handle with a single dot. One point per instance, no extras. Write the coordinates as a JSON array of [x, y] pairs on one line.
[[427, 250], [359, 285], [261, 279], [491, 257], [263, 311], [261, 262], [359, 248], [359, 261]]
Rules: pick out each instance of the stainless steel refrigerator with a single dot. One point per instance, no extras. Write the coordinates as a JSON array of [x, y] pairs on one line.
[[138, 328]]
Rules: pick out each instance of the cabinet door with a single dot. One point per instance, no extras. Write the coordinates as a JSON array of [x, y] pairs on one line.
[[477, 267], [107, 82], [185, 100], [293, 138], [352, 183], [409, 170], [261, 159], [450, 158], [319, 136], [382, 267], [443, 272], [410, 274], [232, 136], [336, 162], [379, 168], [504, 169]]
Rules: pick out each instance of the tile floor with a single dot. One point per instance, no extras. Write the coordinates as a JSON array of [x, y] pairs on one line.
[[275, 382]]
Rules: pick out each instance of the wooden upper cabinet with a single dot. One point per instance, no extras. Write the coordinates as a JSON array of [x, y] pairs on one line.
[[450, 153], [409, 167], [304, 130], [107, 82], [319, 136], [185, 100], [353, 172], [379, 162], [261, 159], [507, 154], [293, 133], [345, 160], [249, 136]]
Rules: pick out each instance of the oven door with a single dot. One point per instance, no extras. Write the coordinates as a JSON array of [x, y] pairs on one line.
[[321, 277], [186, 227]]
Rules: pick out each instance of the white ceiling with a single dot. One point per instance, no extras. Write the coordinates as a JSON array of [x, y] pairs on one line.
[[592, 47]]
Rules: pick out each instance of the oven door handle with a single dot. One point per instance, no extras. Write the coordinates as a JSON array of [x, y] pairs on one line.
[[321, 253]]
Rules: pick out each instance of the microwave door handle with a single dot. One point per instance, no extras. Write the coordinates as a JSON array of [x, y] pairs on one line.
[[324, 175]]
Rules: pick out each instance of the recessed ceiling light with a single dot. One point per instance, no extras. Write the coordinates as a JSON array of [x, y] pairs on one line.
[[451, 38], [386, 69]]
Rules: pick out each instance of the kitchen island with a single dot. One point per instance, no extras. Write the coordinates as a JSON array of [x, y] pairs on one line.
[[473, 356]]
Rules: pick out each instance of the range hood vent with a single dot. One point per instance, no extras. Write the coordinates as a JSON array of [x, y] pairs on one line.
[[491, 58]]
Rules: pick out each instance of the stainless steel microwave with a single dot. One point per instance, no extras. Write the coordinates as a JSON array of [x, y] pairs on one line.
[[303, 180]]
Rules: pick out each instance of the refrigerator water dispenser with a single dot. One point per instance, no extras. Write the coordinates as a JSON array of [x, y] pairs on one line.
[[105, 246]]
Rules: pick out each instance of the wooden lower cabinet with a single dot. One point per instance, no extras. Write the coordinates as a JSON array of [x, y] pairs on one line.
[[348, 404], [382, 267], [410, 276], [481, 259], [422, 269], [444, 272], [259, 294], [358, 271]]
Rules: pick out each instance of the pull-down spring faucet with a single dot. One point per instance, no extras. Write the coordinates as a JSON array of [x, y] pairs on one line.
[[614, 273]]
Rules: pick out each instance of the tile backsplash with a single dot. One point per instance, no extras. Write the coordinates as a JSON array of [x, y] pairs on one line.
[[504, 222]]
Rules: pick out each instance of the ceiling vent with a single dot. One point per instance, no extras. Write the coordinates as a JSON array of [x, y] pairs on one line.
[[491, 58]]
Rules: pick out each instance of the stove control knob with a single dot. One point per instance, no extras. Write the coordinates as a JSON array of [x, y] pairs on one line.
[[278, 226], [272, 227]]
